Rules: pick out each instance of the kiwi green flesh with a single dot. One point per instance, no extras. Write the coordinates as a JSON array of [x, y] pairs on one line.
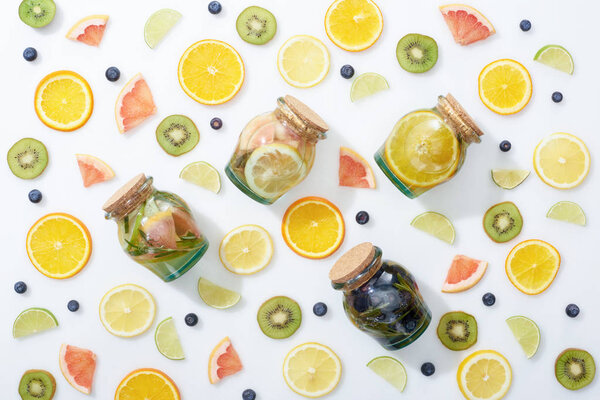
[[503, 222], [37, 13], [177, 134], [279, 317], [574, 368], [457, 330], [37, 384], [256, 25], [27, 158], [417, 53]]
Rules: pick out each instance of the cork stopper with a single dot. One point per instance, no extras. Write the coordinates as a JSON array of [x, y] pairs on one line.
[[460, 120], [352, 263], [127, 197], [305, 113]]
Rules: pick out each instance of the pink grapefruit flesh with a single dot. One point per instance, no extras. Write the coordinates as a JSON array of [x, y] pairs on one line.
[[134, 105], [78, 366], [93, 170], [463, 274], [224, 361], [89, 30], [354, 171], [466, 23], [160, 230]]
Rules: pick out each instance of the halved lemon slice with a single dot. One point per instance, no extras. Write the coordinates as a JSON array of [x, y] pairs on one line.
[[484, 375], [561, 160], [353, 25], [312, 370], [505, 86], [127, 310], [303, 61], [532, 265], [246, 250]]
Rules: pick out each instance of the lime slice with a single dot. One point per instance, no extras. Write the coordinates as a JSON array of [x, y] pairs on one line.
[[567, 211], [509, 178], [557, 57], [158, 25], [436, 225], [202, 174], [367, 84], [389, 369], [526, 332], [167, 340], [33, 320], [216, 296]]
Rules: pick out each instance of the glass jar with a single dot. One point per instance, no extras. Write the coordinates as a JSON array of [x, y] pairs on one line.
[[427, 147], [155, 228], [381, 297], [276, 150]]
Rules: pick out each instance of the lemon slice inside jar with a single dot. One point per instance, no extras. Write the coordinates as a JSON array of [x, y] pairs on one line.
[[422, 151]]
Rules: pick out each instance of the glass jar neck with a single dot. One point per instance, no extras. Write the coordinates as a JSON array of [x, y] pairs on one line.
[[458, 119], [293, 121], [366, 274], [132, 201]]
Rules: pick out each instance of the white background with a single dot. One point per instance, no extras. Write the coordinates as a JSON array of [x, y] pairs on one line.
[[362, 126]]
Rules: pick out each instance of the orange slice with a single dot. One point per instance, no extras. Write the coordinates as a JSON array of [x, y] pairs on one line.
[[134, 104], [505, 86], [466, 23], [532, 265], [354, 170], [147, 383], [77, 366], [89, 30], [353, 25], [93, 170], [223, 361]]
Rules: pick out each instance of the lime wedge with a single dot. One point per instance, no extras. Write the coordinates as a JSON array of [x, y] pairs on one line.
[[167, 340], [509, 178], [367, 84], [33, 320], [158, 25], [567, 211], [216, 296], [557, 57], [202, 174], [389, 369], [526, 332], [436, 225]]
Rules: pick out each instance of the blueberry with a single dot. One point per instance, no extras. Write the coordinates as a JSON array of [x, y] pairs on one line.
[[347, 71], [320, 309], [20, 287], [73, 305], [112, 74], [488, 299], [30, 54], [191, 319], [214, 7], [35, 196], [410, 325], [427, 369], [572, 310], [557, 97], [505, 146], [216, 123], [248, 394], [525, 25], [362, 217]]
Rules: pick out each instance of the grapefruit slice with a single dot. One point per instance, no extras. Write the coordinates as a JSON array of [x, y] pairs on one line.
[[93, 170], [160, 230], [463, 274], [77, 366], [354, 170], [223, 361], [466, 23], [89, 30], [134, 105]]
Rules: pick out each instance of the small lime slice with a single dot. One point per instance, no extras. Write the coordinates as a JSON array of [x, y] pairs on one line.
[[167, 340], [216, 296], [159, 24], [436, 225], [367, 84], [202, 174], [567, 211], [526, 332], [33, 320], [389, 369], [557, 57], [509, 178]]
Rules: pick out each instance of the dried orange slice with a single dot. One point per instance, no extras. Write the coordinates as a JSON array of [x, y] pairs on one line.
[[147, 383], [353, 25], [532, 265], [505, 86]]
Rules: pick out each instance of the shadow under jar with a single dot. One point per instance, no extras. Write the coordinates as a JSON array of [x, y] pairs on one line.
[[381, 297], [155, 228], [276, 150]]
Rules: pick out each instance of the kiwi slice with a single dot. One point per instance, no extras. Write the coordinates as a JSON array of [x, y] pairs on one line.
[[256, 25], [27, 158], [177, 134], [279, 317], [503, 222], [574, 368], [37, 384], [417, 53], [457, 330], [37, 13]]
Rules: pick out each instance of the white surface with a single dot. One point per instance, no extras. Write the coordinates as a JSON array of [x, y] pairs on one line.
[[362, 126]]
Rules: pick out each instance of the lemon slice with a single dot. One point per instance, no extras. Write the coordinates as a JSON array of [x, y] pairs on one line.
[[202, 174], [509, 178], [353, 25], [367, 84], [484, 375], [33, 320], [505, 86], [567, 211], [246, 250], [303, 61], [532, 265], [167, 340], [127, 310], [436, 225], [561, 160], [312, 370], [557, 57], [389, 369], [526, 332], [217, 296], [159, 24]]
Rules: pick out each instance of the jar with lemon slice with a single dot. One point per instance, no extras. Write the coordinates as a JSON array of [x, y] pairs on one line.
[[427, 147], [156, 228], [276, 150]]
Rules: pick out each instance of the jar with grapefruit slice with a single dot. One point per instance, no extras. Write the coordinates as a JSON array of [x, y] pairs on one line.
[[276, 150], [156, 228]]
